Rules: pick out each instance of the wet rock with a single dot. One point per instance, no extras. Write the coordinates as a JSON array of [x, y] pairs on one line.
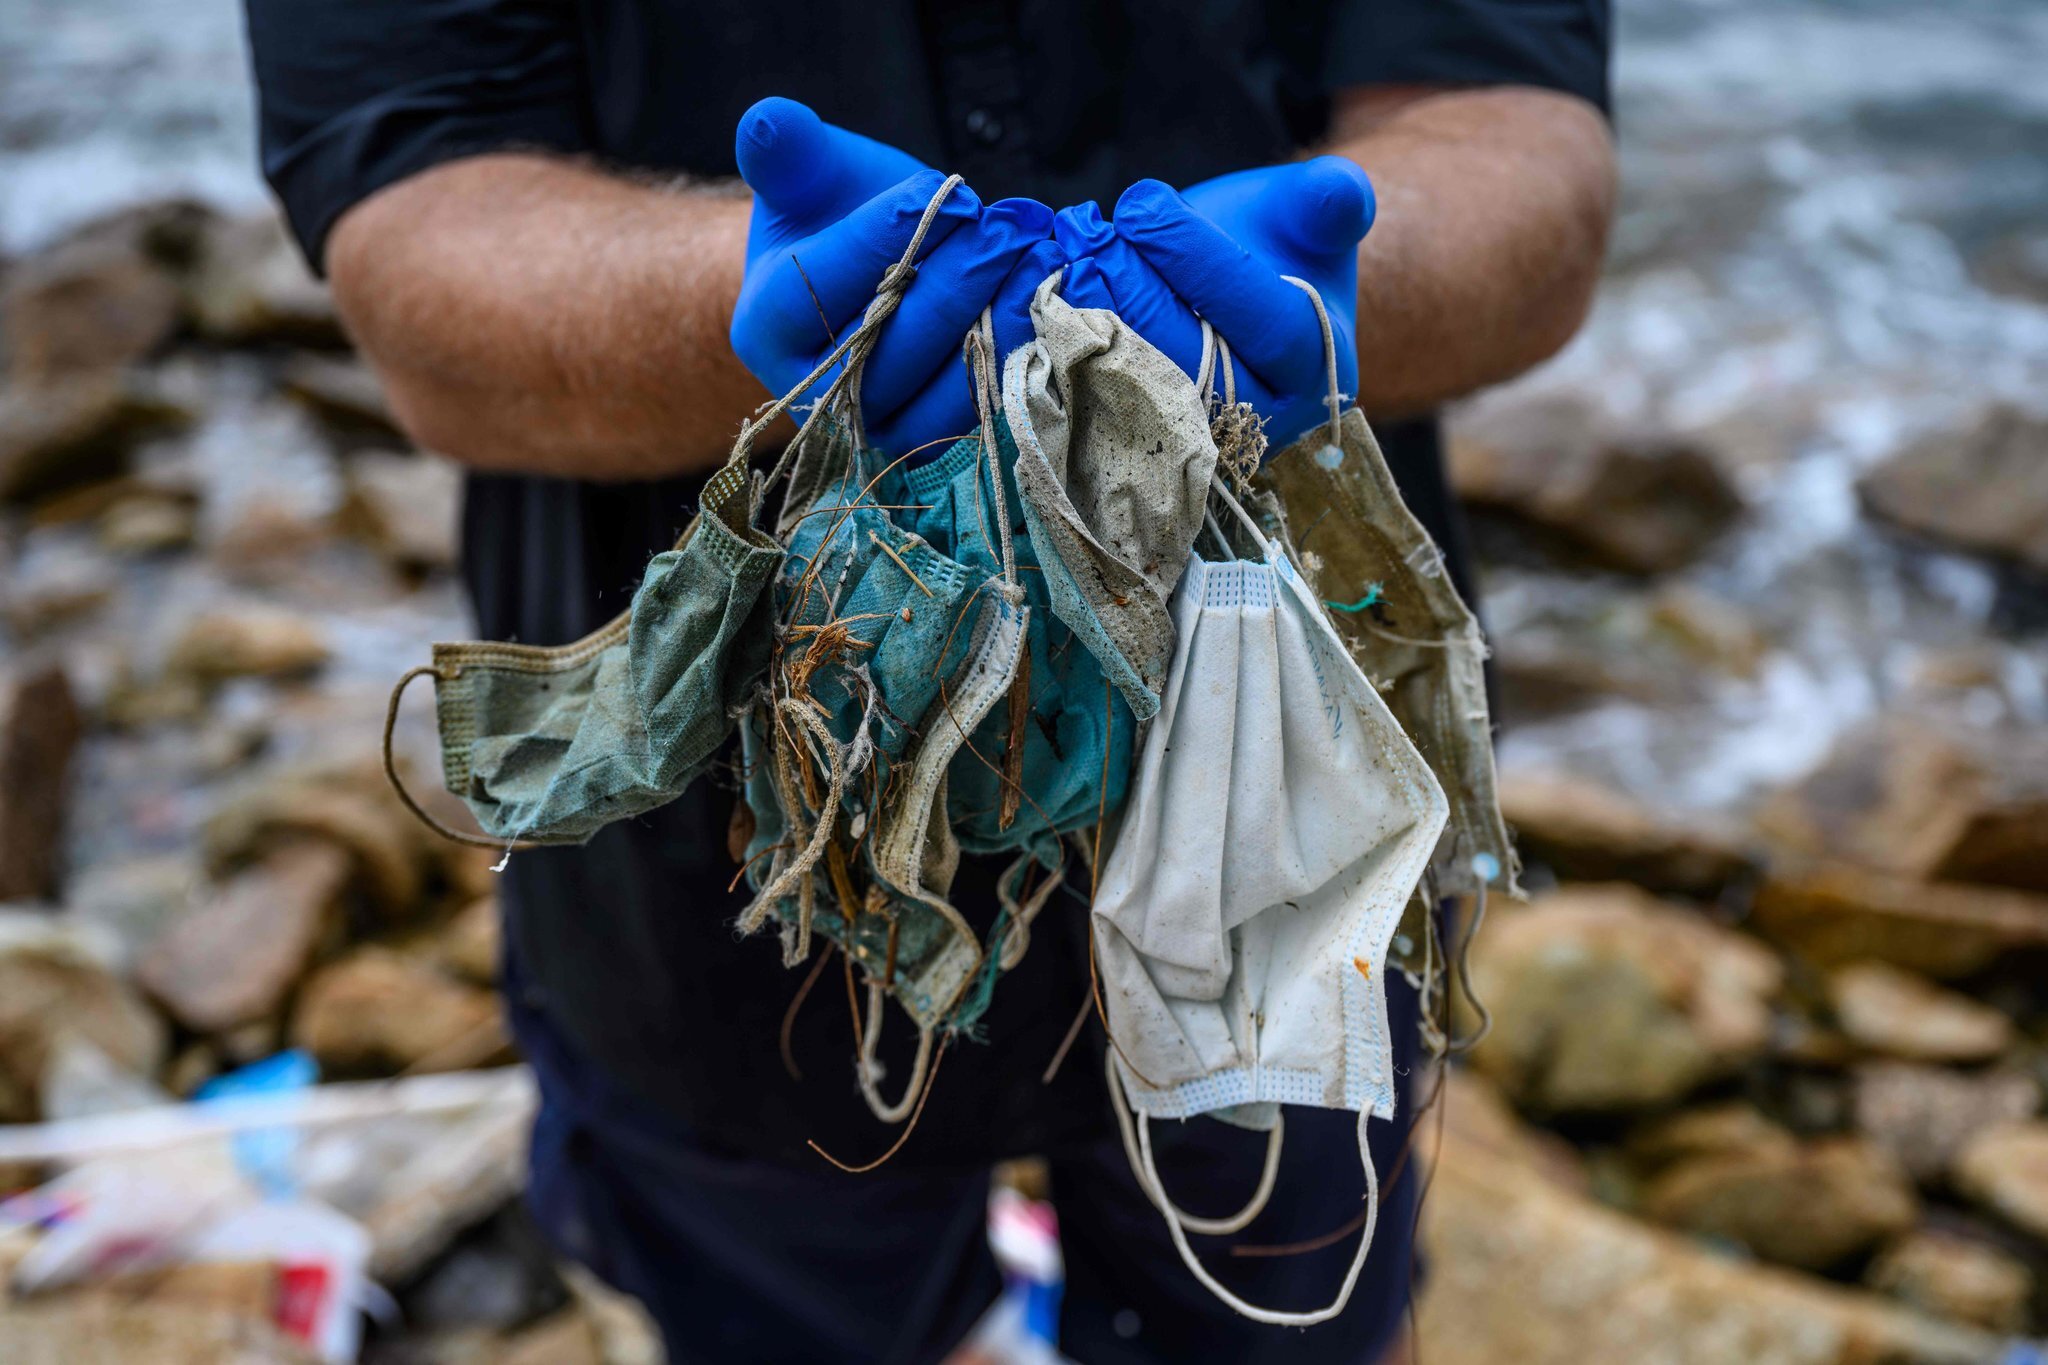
[[247, 642], [1712, 630], [1542, 677], [378, 1011], [1811, 1205], [97, 303], [470, 943], [52, 588], [129, 903], [1833, 913], [1716, 1131], [1605, 998], [1984, 489], [40, 727], [234, 959], [1586, 832], [1638, 502], [1956, 1278], [266, 537], [344, 394], [146, 525], [407, 507], [249, 284], [58, 435], [1902, 797], [1896, 1013], [2005, 1170], [53, 986], [1523, 1271], [350, 809]]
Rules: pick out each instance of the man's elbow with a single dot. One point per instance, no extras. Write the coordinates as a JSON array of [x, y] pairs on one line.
[[1575, 249]]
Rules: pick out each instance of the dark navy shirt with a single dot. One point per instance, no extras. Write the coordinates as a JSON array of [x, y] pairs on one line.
[[624, 948]]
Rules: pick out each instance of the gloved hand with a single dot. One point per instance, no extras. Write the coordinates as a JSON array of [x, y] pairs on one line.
[[832, 211], [1222, 247]]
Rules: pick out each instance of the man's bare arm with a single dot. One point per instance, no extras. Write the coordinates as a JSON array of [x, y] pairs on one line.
[[531, 314], [1494, 205], [528, 313]]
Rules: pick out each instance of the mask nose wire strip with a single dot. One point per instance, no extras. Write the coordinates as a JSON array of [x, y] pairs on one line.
[[1206, 1227]]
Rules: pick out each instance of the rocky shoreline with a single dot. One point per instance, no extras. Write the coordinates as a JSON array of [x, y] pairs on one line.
[[1764, 1083]]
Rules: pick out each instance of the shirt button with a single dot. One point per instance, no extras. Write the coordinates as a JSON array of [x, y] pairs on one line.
[[984, 127]]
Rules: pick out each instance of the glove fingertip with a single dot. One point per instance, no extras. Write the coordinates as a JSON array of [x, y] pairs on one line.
[[1081, 229], [1335, 204], [1144, 201], [777, 145], [1027, 217]]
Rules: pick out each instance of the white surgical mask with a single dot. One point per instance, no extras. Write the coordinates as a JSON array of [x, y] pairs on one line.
[[1278, 822]]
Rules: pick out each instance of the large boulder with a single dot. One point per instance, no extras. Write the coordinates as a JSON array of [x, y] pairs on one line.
[[1523, 1270], [1811, 1204], [1636, 501], [1586, 832], [1958, 1278], [98, 302], [1607, 999], [247, 642], [1898, 1014], [349, 807], [407, 507], [1926, 1115], [1902, 797], [235, 958], [1983, 489], [40, 726], [54, 986], [2005, 1169], [1834, 913]]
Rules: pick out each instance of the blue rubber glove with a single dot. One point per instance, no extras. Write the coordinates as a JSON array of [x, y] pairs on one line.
[[832, 211], [1223, 246]]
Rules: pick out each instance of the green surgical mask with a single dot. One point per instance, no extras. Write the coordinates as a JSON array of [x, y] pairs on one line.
[[548, 745]]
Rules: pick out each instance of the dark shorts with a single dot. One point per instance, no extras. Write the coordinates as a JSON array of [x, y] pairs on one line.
[[741, 1258]]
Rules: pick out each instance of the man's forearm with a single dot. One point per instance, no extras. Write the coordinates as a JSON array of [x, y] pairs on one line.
[[1493, 214], [527, 313]]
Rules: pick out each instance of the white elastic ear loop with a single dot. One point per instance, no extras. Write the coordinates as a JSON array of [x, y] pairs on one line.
[[1150, 1179], [1335, 400], [867, 1067], [1207, 1227]]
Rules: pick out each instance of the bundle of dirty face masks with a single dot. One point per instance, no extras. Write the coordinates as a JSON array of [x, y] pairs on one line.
[[1059, 641]]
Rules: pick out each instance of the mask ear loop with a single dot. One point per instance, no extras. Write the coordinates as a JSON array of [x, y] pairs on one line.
[[1214, 346], [1335, 399], [1207, 1227], [507, 846], [895, 281], [1148, 1180], [869, 1070]]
